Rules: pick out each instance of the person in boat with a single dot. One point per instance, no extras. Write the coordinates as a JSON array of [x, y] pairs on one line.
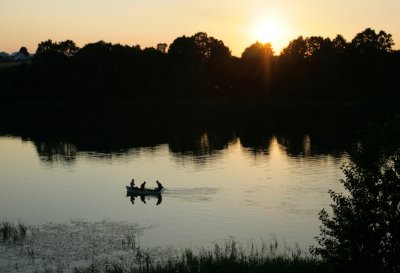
[[142, 187], [133, 183], [159, 186]]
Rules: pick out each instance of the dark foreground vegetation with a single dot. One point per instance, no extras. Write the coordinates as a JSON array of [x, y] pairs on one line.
[[200, 66], [226, 257], [12, 232], [362, 233], [230, 258]]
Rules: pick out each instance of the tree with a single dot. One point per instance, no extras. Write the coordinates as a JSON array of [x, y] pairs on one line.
[[162, 47], [258, 58], [369, 41], [304, 48], [340, 44], [258, 51], [198, 48], [199, 63], [363, 233], [102, 67], [23, 50], [256, 62], [217, 51], [317, 45], [68, 48], [296, 49], [183, 50], [65, 48]]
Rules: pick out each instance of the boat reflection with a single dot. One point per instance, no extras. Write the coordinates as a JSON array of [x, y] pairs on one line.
[[143, 197]]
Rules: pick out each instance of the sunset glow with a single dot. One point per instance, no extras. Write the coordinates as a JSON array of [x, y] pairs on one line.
[[270, 31], [237, 23]]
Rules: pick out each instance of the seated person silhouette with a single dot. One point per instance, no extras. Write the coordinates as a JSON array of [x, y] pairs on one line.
[[159, 186], [133, 183], [142, 187]]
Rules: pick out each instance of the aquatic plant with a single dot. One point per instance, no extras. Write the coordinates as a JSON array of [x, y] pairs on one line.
[[112, 247], [11, 232], [228, 257]]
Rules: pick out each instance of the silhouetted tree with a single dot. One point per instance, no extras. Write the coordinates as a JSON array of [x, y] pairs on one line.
[[183, 49], [152, 75], [202, 66], [65, 48], [23, 50], [258, 51], [198, 48], [317, 45], [296, 49], [52, 71], [257, 62], [201, 41], [162, 47], [369, 41], [219, 66], [340, 44], [370, 59], [290, 70], [198, 63], [109, 70], [304, 48], [363, 232]]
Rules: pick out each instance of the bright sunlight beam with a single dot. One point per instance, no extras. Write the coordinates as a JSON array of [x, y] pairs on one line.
[[269, 30]]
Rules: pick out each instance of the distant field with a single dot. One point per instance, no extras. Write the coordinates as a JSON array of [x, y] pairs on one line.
[[7, 65]]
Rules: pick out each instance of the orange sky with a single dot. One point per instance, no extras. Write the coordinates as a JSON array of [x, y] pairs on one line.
[[148, 22]]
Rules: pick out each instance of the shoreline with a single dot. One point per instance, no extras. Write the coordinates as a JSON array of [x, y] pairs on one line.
[[188, 104]]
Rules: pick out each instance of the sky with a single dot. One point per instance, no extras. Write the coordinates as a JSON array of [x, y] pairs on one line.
[[238, 23]]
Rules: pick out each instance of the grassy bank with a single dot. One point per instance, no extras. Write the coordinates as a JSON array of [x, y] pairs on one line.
[[228, 258], [105, 247]]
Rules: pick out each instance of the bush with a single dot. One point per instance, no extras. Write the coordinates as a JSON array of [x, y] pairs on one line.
[[363, 233]]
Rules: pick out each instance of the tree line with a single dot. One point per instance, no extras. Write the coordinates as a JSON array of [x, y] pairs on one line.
[[201, 66]]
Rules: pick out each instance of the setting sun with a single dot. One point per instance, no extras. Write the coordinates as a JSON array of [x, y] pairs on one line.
[[268, 31]]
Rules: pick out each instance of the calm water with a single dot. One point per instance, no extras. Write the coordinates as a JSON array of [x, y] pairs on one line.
[[227, 173], [217, 184]]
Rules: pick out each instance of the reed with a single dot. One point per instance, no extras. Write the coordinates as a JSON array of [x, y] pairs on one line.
[[229, 257], [12, 232]]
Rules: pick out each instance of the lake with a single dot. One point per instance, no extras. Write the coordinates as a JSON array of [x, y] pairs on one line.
[[250, 181]]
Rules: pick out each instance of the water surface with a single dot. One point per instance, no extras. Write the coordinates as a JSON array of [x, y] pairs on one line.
[[217, 185]]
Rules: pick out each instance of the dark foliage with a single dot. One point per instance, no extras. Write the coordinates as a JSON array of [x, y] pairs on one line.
[[10, 232], [23, 50], [226, 258], [201, 66], [363, 232]]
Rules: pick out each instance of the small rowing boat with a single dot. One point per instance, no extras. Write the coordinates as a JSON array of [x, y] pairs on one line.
[[138, 191]]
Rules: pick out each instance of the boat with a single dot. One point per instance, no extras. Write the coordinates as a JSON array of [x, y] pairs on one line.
[[138, 191]]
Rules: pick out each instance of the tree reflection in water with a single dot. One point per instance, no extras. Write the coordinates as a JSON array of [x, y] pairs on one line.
[[189, 135]]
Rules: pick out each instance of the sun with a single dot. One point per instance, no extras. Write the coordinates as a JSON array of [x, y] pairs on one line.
[[268, 32]]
